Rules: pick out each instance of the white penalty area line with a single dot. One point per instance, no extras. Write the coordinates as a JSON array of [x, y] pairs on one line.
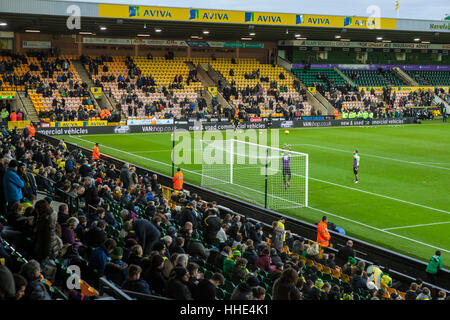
[[329, 213], [375, 156], [418, 225]]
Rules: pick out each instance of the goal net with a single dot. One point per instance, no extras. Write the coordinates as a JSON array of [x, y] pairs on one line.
[[276, 178]]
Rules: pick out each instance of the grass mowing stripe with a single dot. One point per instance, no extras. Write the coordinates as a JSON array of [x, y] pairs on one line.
[[374, 156], [347, 219]]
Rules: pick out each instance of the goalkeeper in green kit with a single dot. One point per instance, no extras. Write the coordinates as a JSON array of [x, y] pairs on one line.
[[356, 165]]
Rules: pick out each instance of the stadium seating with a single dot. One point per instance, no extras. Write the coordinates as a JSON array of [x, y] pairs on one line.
[[310, 77], [430, 78], [373, 78]]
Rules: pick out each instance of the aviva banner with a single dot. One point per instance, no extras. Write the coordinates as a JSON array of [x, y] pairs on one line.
[[242, 17]]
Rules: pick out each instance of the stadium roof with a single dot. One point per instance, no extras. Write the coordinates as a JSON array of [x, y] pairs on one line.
[[125, 21]]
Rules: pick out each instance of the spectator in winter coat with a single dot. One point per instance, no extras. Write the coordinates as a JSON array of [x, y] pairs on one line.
[[277, 236], [239, 271], [222, 256], [146, 232], [12, 184], [116, 269], [346, 251], [244, 290], [177, 286], [153, 275], [96, 234], [125, 176], [212, 226], [284, 284], [100, 256], [434, 266], [411, 294], [263, 261], [134, 282], [206, 288], [45, 240], [36, 289], [358, 281]]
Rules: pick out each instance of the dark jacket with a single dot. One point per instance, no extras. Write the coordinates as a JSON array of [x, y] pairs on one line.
[[95, 237], [196, 249], [140, 286], [281, 290], [242, 292], [212, 226], [358, 282], [46, 240], [116, 271], [188, 215], [125, 177], [91, 196], [36, 290], [99, 258], [345, 252], [205, 290], [155, 278], [178, 290], [147, 234]]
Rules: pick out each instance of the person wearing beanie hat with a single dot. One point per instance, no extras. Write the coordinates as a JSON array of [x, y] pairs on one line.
[[230, 262], [243, 291], [177, 286], [116, 269], [7, 285], [253, 281], [153, 275]]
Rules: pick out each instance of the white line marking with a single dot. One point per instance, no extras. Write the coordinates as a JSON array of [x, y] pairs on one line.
[[343, 218], [417, 225], [372, 155]]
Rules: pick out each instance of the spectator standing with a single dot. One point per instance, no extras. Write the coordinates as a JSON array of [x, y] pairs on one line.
[[434, 266], [323, 236]]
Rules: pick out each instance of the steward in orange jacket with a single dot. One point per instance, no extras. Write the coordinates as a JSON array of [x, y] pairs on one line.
[[96, 153], [31, 130], [323, 236], [178, 180]]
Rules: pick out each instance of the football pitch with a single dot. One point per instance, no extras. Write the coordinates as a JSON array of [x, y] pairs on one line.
[[401, 203]]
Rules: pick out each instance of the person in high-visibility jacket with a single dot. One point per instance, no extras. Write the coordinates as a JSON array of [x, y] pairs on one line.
[[31, 129], [178, 180], [281, 223], [13, 116], [323, 236], [96, 153]]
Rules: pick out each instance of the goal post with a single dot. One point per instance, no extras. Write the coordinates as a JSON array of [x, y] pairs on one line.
[[276, 178]]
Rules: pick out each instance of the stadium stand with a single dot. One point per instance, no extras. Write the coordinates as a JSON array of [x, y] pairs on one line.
[[131, 231], [144, 88], [53, 85], [258, 89]]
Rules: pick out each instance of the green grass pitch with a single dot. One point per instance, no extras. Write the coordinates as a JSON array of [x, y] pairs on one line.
[[401, 203]]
